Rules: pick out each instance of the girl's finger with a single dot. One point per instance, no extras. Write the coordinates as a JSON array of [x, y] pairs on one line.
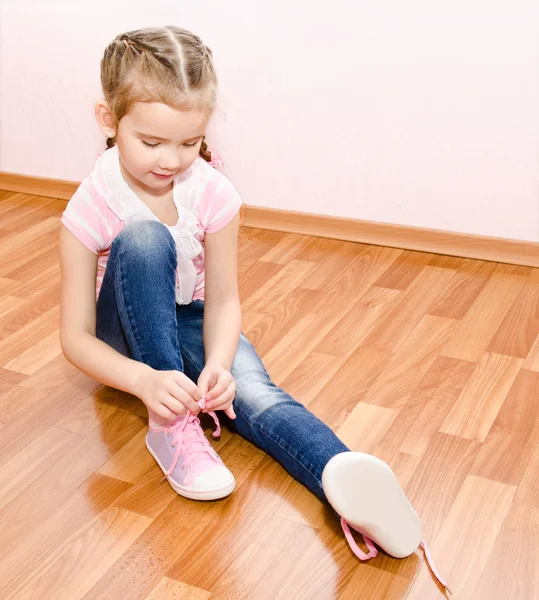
[[224, 399], [180, 394], [229, 412], [205, 382], [163, 411], [174, 405], [188, 386], [219, 388]]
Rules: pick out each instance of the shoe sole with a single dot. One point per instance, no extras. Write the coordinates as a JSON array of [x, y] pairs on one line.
[[367, 494], [215, 494]]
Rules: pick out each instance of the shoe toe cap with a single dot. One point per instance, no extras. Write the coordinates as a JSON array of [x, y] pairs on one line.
[[213, 479]]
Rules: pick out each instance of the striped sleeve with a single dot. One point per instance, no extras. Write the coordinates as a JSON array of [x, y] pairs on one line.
[[225, 204], [86, 217]]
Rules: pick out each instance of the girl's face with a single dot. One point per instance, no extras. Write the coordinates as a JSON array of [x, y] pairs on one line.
[[157, 142]]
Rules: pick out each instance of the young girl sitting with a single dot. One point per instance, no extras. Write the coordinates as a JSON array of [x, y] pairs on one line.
[[150, 300]]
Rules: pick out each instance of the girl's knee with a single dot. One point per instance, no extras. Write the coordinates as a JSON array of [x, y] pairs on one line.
[[143, 239]]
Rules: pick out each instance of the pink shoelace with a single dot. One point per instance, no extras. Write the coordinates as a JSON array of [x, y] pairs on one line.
[[374, 552], [192, 438]]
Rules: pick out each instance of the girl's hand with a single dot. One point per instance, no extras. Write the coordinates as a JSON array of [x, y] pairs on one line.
[[168, 393], [219, 387]]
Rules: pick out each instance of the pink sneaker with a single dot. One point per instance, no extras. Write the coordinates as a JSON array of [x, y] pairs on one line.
[[190, 464]]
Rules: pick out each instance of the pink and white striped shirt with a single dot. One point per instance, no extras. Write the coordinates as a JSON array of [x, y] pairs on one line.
[[104, 204]]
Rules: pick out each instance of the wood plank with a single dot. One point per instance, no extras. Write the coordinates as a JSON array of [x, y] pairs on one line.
[[29, 269], [30, 360], [55, 373], [34, 460], [514, 434], [340, 395], [404, 270], [296, 345], [16, 401], [54, 487], [249, 320], [520, 327], [422, 416], [176, 590], [478, 405], [513, 567], [392, 332], [9, 304], [447, 262], [48, 278], [267, 332], [181, 525], [528, 490], [365, 427], [323, 250], [253, 278], [257, 534], [402, 464], [359, 321], [24, 339], [72, 568], [347, 285], [27, 310], [532, 360], [287, 249], [328, 272], [375, 585], [442, 471], [278, 286], [9, 380], [14, 436], [461, 293], [463, 546], [34, 555], [15, 258], [89, 412], [335, 565], [131, 462], [310, 376], [478, 327], [41, 210], [399, 379]]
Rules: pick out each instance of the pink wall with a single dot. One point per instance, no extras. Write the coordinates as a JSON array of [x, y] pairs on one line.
[[402, 112]]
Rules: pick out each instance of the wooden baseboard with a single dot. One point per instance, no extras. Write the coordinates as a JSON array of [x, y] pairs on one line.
[[396, 236], [38, 186], [353, 230]]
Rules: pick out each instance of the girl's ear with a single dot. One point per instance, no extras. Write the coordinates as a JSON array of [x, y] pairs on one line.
[[105, 119]]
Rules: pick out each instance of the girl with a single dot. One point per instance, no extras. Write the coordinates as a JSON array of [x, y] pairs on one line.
[[150, 300]]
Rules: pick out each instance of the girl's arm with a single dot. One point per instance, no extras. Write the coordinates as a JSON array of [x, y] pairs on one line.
[[222, 313], [159, 390], [78, 320]]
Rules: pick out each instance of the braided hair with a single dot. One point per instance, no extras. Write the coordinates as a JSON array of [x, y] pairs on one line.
[[166, 64]]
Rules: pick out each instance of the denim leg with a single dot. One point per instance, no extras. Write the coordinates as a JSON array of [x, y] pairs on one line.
[[266, 415], [136, 308]]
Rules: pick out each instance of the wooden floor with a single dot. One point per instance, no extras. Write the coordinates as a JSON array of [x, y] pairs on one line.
[[429, 362]]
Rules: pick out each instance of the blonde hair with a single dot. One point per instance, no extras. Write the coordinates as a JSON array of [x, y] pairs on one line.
[[165, 64]]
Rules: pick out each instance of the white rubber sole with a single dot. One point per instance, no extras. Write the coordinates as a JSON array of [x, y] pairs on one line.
[[366, 493], [215, 494]]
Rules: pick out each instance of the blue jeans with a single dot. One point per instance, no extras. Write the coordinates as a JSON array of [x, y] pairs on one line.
[[138, 316]]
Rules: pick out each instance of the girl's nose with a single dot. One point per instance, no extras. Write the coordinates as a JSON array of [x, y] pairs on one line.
[[170, 162]]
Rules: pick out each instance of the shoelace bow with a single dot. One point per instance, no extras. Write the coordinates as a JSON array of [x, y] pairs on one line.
[[373, 551], [178, 430]]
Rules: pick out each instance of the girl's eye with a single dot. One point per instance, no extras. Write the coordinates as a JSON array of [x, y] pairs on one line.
[[149, 145], [191, 144]]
